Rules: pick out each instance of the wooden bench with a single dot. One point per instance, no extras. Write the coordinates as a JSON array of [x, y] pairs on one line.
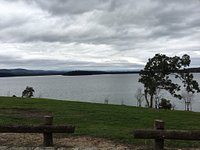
[[159, 134], [47, 129]]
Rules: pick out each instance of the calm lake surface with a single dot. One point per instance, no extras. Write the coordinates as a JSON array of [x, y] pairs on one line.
[[117, 89]]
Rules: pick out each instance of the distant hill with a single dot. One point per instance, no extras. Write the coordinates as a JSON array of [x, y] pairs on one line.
[[194, 70], [84, 72], [24, 72]]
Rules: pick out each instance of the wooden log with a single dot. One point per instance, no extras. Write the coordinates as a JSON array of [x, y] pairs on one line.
[[159, 143], [159, 125], [47, 129], [47, 135], [48, 120], [37, 129], [167, 134]]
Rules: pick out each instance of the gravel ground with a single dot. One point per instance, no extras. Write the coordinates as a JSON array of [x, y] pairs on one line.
[[36, 140], [14, 141]]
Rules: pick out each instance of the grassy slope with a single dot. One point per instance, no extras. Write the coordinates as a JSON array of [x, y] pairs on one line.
[[107, 121]]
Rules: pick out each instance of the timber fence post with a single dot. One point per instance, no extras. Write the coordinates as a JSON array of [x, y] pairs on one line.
[[159, 143], [48, 138]]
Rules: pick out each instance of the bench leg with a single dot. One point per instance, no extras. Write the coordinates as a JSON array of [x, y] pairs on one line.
[[159, 144], [48, 139]]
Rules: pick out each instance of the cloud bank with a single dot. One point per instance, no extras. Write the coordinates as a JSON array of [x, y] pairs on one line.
[[96, 34]]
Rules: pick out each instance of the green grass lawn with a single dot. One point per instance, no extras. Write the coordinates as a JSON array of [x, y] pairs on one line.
[[114, 122]]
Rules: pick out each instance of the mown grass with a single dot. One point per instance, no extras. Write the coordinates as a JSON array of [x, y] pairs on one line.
[[112, 122]]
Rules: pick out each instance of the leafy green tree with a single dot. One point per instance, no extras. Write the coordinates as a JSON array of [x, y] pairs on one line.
[[28, 92], [158, 73]]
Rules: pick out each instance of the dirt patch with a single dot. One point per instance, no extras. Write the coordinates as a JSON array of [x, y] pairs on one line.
[[25, 112], [34, 140]]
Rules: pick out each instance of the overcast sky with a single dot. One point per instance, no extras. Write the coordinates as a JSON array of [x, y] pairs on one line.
[[96, 34]]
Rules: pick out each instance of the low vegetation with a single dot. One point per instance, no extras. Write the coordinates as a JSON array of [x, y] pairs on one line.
[[28, 92], [112, 122]]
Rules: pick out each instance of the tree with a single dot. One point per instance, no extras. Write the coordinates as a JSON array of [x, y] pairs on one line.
[[158, 73], [28, 92], [157, 98], [139, 96], [187, 98]]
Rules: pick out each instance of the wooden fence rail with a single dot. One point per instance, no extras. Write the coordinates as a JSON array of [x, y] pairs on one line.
[[36, 129], [167, 134], [159, 134], [47, 129]]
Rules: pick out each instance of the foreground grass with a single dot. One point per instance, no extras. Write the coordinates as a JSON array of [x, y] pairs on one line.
[[112, 122]]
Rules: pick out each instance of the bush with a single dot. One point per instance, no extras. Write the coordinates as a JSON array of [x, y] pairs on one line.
[[165, 104], [28, 92]]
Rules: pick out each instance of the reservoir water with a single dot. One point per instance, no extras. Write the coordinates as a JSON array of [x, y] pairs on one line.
[[116, 89]]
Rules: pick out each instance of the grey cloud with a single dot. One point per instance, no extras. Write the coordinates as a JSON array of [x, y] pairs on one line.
[[7, 60], [195, 61], [11, 22], [63, 7], [177, 19], [167, 22], [127, 26], [12, 62]]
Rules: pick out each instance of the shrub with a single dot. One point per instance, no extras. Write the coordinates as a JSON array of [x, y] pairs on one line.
[[28, 92], [165, 104]]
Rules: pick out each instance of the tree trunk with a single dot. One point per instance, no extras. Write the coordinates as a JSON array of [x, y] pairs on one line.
[[151, 101], [185, 106], [147, 101], [188, 106]]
